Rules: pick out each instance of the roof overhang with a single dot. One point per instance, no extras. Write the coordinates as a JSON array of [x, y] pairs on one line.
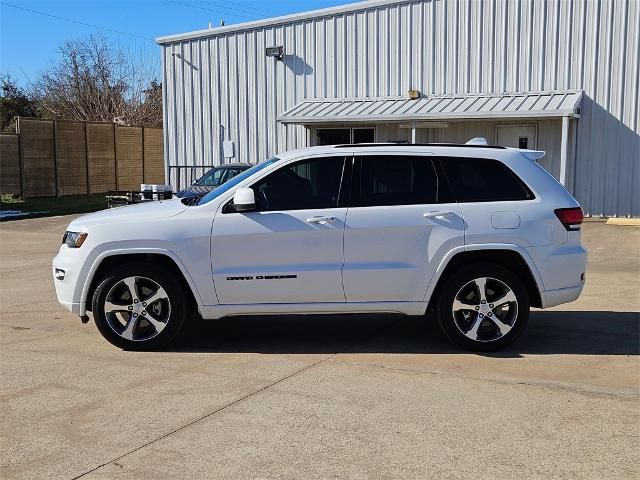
[[554, 103]]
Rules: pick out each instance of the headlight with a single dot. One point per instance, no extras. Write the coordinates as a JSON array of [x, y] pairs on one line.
[[74, 239]]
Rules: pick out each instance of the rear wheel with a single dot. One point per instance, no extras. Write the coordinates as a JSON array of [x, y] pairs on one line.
[[139, 307], [483, 307]]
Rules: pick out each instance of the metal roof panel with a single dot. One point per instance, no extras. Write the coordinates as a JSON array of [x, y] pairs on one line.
[[555, 103]]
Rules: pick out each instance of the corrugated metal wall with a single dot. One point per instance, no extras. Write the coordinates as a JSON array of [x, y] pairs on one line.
[[222, 86]]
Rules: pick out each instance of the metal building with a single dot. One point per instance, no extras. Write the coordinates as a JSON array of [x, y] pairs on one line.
[[555, 75]]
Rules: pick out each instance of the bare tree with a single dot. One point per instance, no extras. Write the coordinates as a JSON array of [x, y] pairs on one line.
[[95, 81]]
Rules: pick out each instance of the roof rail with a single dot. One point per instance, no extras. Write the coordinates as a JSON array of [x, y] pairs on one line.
[[363, 145]]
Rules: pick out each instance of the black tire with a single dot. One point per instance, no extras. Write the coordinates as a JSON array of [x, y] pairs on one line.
[[488, 332], [176, 313]]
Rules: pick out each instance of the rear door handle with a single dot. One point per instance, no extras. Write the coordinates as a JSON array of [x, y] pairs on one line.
[[437, 214], [321, 220]]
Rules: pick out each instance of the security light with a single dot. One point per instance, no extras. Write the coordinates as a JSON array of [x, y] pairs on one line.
[[276, 52]]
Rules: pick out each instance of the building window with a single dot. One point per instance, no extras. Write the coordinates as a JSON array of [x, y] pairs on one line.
[[337, 136], [333, 136], [523, 142], [363, 135]]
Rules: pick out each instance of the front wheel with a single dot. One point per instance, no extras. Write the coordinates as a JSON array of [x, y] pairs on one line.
[[483, 307], [139, 307]]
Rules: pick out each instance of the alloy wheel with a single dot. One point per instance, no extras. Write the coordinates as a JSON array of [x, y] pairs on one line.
[[137, 308], [485, 309]]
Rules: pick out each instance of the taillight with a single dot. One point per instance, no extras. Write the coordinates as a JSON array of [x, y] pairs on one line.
[[571, 218]]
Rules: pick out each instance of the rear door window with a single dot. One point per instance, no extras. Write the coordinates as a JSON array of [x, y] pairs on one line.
[[483, 180], [381, 180]]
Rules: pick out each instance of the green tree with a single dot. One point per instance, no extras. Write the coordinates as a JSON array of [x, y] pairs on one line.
[[14, 102]]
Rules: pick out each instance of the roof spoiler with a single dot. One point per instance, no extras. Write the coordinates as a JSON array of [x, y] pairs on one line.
[[532, 155]]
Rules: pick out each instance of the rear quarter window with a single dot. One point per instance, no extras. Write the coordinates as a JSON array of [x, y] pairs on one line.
[[483, 180]]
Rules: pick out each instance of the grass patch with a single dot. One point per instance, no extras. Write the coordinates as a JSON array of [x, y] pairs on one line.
[[52, 206]]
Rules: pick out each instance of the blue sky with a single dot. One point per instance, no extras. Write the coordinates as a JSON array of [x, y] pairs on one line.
[[29, 41]]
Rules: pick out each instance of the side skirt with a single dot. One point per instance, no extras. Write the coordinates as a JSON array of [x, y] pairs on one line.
[[211, 312]]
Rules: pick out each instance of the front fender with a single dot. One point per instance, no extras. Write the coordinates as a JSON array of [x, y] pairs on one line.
[[92, 267]]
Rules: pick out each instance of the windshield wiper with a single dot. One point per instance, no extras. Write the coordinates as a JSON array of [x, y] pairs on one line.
[[190, 201]]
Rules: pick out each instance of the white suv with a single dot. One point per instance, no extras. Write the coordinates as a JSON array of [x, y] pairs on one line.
[[474, 234]]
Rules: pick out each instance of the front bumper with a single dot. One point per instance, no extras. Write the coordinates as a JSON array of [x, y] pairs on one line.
[[69, 289], [65, 288]]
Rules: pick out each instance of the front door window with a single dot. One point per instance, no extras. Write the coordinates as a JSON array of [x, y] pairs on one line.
[[311, 183]]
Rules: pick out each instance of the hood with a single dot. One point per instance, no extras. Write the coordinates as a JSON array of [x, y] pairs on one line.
[[136, 212], [194, 191]]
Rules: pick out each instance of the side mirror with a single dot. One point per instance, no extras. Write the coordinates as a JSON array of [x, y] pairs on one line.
[[244, 200]]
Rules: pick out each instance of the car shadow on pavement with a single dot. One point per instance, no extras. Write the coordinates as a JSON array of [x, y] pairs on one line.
[[549, 332]]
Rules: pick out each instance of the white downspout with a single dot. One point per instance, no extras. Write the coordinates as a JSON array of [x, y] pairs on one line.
[[564, 151], [413, 131]]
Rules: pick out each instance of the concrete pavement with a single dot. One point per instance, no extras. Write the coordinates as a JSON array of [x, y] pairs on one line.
[[320, 397]]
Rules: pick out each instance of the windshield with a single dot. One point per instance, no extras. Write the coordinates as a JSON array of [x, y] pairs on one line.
[[236, 180], [212, 178]]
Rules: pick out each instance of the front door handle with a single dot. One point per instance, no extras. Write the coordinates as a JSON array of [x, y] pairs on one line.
[[437, 214], [321, 220]]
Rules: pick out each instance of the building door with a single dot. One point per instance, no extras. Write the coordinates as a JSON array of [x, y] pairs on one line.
[[517, 136]]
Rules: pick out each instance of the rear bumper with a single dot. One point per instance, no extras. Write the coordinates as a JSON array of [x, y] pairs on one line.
[[562, 270], [551, 298]]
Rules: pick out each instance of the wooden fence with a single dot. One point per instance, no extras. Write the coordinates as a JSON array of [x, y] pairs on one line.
[[54, 157]]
